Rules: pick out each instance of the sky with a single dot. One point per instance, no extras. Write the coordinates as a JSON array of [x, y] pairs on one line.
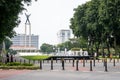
[[48, 17]]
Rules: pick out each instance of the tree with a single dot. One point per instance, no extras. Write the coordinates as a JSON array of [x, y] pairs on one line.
[[9, 11], [47, 48], [98, 20]]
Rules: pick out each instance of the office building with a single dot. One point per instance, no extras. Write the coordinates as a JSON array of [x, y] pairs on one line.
[[63, 35], [19, 42]]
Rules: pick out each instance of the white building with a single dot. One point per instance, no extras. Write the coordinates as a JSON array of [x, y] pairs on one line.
[[63, 35], [19, 42]]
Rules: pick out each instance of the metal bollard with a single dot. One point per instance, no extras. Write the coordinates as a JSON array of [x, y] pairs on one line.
[[63, 66], [94, 62], [114, 62], [91, 65], [77, 65], [73, 62], [41, 64], [51, 63], [83, 62], [105, 65]]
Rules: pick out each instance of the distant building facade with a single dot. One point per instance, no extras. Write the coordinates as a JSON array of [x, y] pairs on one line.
[[19, 42], [64, 35]]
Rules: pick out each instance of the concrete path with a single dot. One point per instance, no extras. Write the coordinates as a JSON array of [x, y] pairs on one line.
[[57, 75]]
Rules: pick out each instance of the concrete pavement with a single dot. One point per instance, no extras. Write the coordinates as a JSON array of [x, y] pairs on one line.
[[64, 75]]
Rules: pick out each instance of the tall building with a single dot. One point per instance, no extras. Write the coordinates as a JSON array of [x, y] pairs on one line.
[[63, 35], [20, 41]]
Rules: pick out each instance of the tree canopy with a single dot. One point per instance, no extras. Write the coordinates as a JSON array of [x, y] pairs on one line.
[[9, 11], [98, 21]]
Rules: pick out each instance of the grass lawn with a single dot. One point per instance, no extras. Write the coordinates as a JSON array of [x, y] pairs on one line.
[[36, 57]]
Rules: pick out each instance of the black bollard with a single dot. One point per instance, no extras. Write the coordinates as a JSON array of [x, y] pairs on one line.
[[105, 65], [90, 65], [94, 62], [73, 62], [114, 62], [41, 64], [77, 65], [51, 63], [83, 62], [63, 66]]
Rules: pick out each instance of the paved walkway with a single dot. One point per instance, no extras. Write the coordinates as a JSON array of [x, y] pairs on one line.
[[57, 75], [69, 73]]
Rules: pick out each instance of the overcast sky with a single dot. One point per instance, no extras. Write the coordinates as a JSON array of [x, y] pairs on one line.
[[48, 17]]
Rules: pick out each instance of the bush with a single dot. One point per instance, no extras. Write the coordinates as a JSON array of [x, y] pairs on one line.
[[1, 63], [20, 67], [26, 64], [18, 64], [13, 64]]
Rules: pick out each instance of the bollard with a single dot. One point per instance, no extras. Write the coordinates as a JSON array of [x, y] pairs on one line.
[[73, 63], [94, 62], [77, 65], [83, 62], [114, 62], [51, 63], [105, 61], [41, 64], [90, 65], [63, 66]]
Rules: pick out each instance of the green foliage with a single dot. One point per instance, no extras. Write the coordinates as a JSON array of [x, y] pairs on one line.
[[9, 19], [47, 48], [36, 57], [98, 20], [13, 64], [18, 64], [20, 67]]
